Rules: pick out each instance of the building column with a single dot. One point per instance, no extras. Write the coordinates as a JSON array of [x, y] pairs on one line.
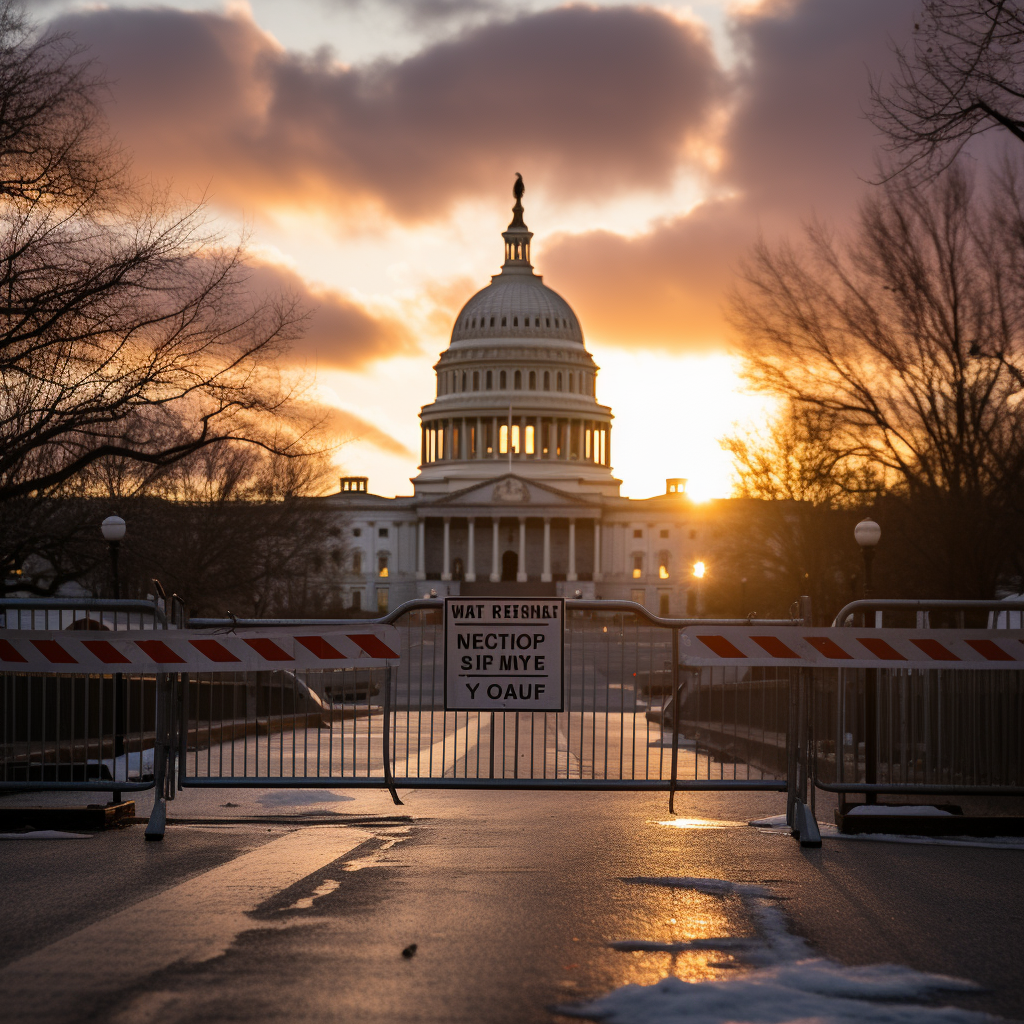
[[446, 565], [545, 576], [421, 549], [598, 575], [521, 574], [471, 553], [495, 567], [571, 574]]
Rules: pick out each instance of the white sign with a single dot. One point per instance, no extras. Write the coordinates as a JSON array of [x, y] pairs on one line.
[[502, 654]]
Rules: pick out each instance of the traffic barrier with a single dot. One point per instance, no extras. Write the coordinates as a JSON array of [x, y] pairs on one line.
[[197, 650], [800, 647]]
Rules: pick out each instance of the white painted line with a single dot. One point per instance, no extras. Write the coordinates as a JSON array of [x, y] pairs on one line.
[[188, 923]]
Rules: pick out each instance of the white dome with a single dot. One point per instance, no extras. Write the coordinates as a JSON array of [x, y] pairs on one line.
[[517, 305]]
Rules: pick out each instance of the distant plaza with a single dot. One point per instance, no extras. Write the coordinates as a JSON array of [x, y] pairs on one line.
[[515, 493]]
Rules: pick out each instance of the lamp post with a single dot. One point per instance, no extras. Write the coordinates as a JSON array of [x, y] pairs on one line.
[[867, 533], [113, 529]]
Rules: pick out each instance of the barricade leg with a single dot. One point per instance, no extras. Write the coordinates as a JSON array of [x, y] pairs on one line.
[[161, 755]]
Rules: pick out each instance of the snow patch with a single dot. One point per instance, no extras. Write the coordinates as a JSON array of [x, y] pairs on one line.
[[300, 797], [775, 821], [44, 833], [916, 811], [782, 981], [811, 990]]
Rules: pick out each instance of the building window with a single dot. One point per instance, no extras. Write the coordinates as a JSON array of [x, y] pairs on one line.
[[476, 380], [490, 380], [530, 442], [663, 609], [638, 566], [572, 381], [637, 534], [382, 600], [492, 321], [463, 380], [664, 534], [663, 565], [382, 532], [637, 596], [357, 600], [515, 321], [382, 566], [503, 381], [533, 380], [693, 535], [357, 562], [517, 381], [547, 321], [515, 439], [558, 381], [503, 439], [357, 532], [547, 380], [504, 321], [536, 322]]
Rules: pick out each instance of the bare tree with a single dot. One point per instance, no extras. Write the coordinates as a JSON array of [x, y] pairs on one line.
[[907, 336], [126, 327], [961, 76], [783, 533]]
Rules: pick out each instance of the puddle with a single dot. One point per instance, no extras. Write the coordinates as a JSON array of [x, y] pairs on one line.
[[769, 977]]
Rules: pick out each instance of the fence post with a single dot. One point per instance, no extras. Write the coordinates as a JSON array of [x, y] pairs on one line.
[[676, 708], [164, 730], [386, 739]]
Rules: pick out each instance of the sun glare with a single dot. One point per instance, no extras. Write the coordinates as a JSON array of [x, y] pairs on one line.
[[699, 568]]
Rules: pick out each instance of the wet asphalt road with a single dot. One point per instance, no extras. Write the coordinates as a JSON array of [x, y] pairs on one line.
[[510, 898]]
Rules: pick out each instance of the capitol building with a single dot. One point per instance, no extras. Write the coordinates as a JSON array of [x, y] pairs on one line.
[[516, 493]]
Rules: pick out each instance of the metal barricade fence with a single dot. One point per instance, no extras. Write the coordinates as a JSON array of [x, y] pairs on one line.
[[939, 731], [65, 730], [633, 718], [913, 731]]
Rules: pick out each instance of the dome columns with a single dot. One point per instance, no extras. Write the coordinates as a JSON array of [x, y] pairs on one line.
[[521, 437]]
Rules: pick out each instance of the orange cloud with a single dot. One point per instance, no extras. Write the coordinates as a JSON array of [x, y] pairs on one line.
[[593, 100], [797, 145], [340, 333]]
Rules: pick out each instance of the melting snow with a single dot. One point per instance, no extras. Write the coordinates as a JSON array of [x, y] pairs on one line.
[[908, 811], [297, 797], [784, 983], [44, 833]]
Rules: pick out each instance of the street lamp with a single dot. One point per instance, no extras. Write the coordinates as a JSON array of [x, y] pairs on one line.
[[867, 533], [113, 528]]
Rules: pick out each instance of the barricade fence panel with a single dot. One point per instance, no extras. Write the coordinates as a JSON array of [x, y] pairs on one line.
[[939, 730], [619, 727], [65, 725]]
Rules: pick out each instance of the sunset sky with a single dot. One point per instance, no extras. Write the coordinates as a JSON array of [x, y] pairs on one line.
[[371, 145]]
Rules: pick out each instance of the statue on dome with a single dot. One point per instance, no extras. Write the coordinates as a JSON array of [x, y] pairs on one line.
[[518, 188]]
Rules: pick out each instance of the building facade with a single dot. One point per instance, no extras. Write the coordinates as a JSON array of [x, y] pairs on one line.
[[515, 492]]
